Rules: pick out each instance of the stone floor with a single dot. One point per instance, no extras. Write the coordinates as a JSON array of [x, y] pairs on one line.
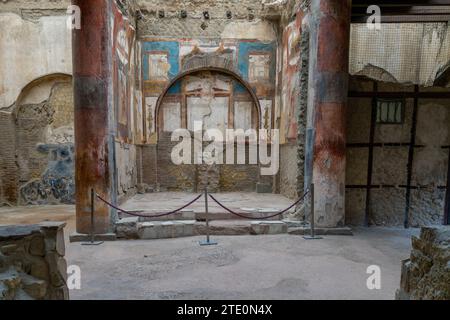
[[243, 267], [240, 267], [37, 214], [241, 201], [151, 202]]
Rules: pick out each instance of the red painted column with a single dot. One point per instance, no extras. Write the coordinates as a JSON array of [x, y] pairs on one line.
[[328, 89], [91, 47]]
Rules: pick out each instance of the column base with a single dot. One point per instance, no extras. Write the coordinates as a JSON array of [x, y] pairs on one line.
[[82, 237], [306, 231]]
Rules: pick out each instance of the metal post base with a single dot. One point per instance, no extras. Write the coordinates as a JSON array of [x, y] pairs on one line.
[[208, 243], [312, 238], [92, 243]]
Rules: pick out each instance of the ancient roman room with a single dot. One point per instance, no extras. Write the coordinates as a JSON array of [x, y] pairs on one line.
[[224, 150]]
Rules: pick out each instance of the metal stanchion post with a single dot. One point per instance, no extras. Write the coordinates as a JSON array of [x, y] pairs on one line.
[[312, 236], [92, 242], [208, 241]]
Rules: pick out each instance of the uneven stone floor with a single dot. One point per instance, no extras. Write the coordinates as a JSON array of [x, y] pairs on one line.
[[243, 267], [167, 201], [240, 267]]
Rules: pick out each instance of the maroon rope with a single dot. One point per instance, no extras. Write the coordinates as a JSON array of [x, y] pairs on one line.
[[259, 218], [146, 216]]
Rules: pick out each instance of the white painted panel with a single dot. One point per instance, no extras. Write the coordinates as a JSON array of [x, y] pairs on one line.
[[222, 83], [259, 67], [219, 116], [172, 116], [197, 108], [158, 66], [193, 83], [243, 114], [213, 111], [150, 104]]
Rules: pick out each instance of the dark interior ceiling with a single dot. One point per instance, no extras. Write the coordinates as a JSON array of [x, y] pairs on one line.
[[403, 10]]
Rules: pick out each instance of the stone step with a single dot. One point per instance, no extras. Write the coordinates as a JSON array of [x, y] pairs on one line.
[[217, 215], [242, 227], [182, 215], [131, 228], [306, 231], [165, 229], [201, 216]]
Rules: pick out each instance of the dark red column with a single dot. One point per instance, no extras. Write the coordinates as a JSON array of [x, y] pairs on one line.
[[91, 46], [328, 88]]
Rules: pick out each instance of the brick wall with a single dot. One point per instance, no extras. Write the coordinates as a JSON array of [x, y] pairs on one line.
[[8, 166], [191, 178], [36, 153], [149, 163]]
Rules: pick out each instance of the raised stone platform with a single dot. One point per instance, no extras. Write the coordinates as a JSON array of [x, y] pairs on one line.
[[165, 229], [132, 228], [32, 263], [306, 231], [249, 203], [426, 274], [81, 237]]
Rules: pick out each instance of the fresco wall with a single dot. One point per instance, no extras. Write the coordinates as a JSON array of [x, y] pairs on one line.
[[290, 91], [217, 99], [127, 102], [44, 136], [162, 60], [288, 106]]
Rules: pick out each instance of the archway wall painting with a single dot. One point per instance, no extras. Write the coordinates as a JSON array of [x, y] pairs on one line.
[[224, 84], [252, 74], [162, 61]]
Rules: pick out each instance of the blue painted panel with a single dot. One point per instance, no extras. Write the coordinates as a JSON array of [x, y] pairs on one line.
[[243, 59], [173, 50], [175, 88], [239, 88]]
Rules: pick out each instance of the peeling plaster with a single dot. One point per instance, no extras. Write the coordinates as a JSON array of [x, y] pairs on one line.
[[258, 29]]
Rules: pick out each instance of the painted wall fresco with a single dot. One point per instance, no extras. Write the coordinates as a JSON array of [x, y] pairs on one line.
[[209, 97], [291, 80], [128, 108], [57, 184], [44, 135], [162, 60], [123, 48]]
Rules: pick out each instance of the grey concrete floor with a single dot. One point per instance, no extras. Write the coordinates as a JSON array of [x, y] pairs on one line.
[[243, 267]]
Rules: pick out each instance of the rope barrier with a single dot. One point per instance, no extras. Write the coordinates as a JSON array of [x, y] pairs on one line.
[[194, 200], [259, 218], [147, 216]]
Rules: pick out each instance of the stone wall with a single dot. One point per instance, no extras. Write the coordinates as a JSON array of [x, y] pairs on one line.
[[426, 274], [37, 144], [44, 139], [148, 167], [390, 158], [126, 163], [192, 178], [163, 17], [288, 170], [8, 167], [32, 264]]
